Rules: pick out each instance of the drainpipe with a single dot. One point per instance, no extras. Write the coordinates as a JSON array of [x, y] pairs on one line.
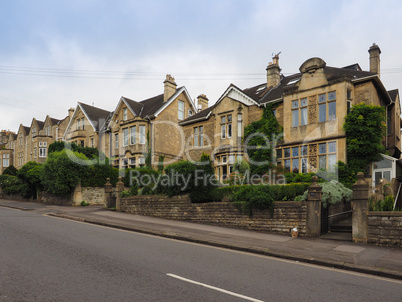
[[386, 135], [151, 137]]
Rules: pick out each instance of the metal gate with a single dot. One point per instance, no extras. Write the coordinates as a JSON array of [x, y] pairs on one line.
[[324, 219]]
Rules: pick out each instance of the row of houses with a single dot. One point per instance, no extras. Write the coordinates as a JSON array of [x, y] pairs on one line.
[[310, 106]]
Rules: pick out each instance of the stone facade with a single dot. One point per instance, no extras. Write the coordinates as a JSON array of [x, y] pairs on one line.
[[150, 126], [287, 214], [385, 228]]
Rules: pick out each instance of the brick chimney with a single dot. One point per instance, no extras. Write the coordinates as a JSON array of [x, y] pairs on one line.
[[374, 52], [202, 102], [170, 87], [273, 72]]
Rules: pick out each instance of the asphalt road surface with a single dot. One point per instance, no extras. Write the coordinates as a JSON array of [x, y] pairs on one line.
[[50, 259]]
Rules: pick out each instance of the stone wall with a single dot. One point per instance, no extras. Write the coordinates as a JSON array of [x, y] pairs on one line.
[[93, 195], [385, 228], [48, 198], [287, 214]]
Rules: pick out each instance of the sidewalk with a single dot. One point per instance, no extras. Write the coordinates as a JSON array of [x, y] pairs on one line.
[[371, 259]]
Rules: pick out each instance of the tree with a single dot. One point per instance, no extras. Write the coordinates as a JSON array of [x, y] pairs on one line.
[[30, 174], [259, 136], [365, 128], [61, 174]]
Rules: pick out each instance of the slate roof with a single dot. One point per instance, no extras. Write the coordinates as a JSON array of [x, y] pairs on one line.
[[40, 124], [135, 106], [262, 95], [26, 129], [54, 121], [95, 114], [149, 106], [393, 94]]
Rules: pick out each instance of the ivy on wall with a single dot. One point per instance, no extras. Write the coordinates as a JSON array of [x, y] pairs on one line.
[[259, 137], [365, 128]]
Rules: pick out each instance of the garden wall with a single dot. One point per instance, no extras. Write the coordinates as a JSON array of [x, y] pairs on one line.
[[93, 195], [385, 228], [287, 214], [48, 198]]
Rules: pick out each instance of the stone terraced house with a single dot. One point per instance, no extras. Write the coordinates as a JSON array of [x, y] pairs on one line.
[[149, 127], [310, 106]]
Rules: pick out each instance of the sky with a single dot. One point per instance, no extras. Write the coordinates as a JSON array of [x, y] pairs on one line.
[[55, 53]]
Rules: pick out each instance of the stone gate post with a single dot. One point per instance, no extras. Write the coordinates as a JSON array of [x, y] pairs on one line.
[[108, 193], [313, 217], [119, 189], [360, 209]]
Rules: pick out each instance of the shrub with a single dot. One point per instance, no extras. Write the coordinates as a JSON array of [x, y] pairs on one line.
[[332, 193], [96, 175], [241, 166], [382, 205], [11, 170], [218, 194], [60, 174], [30, 174], [259, 197], [195, 178]]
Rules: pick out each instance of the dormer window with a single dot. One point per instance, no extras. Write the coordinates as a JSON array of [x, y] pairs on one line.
[[124, 114]]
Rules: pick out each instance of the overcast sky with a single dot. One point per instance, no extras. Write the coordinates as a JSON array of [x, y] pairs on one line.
[[55, 53]]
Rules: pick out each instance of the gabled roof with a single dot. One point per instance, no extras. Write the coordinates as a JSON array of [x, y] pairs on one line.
[[261, 95], [25, 129], [159, 107], [153, 106], [135, 107], [199, 116], [94, 115], [55, 121], [40, 124]]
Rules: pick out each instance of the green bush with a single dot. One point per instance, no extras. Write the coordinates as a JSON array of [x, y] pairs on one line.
[[218, 194], [195, 178], [332, 193], [11, 170], [12, 185], [382, 205], [258, 197], [30, 174], [61, 175], [96, 175]]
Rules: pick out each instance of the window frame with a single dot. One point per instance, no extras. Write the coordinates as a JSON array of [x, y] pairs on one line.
[[180, 111], [133, 135], [142, 135], [125, 137]]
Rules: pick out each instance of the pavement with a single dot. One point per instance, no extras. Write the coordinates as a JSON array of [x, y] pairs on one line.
[[363, 258]]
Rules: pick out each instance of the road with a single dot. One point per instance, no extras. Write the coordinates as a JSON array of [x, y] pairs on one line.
[[44, 258]]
